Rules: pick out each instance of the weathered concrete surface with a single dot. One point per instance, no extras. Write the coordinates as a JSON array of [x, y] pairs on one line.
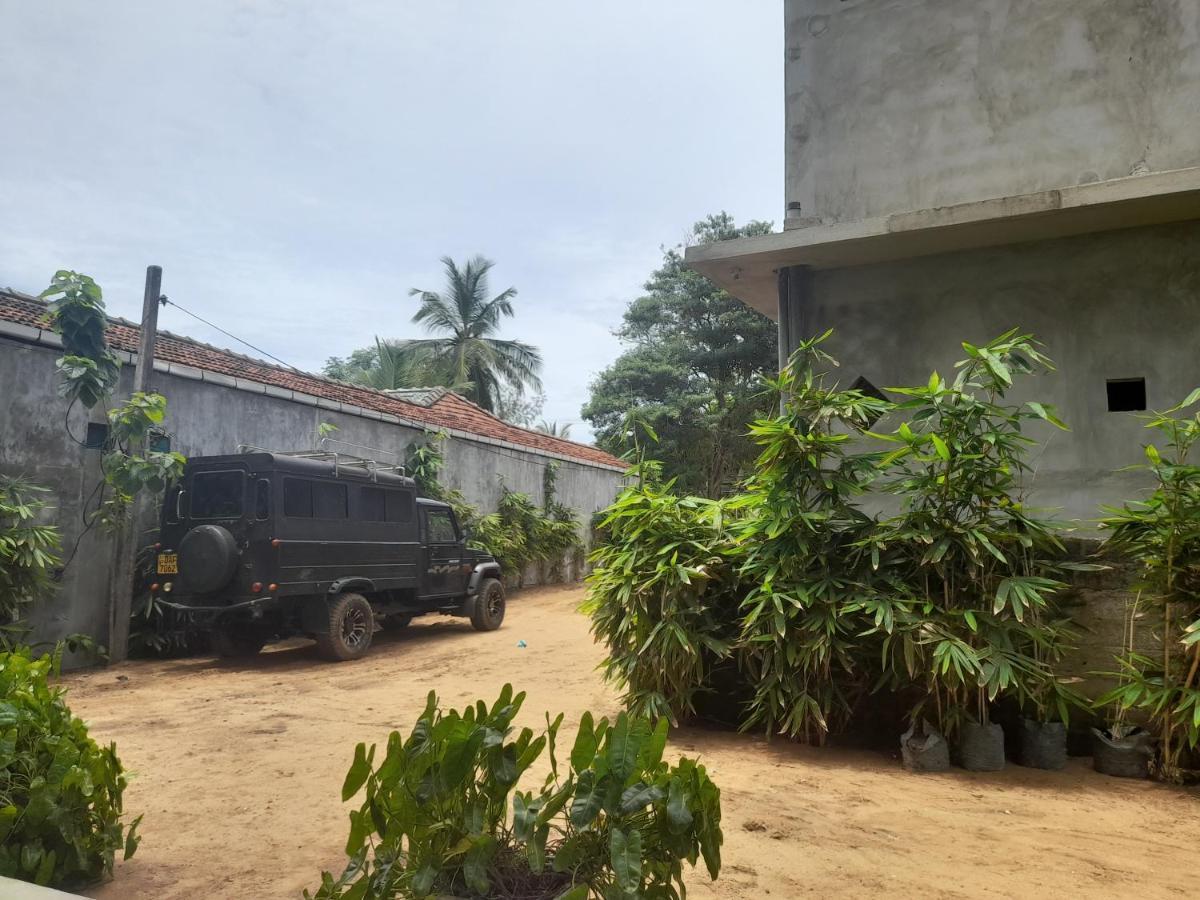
[[748, 267], [1122, 304], [212, 417], [897, 105]]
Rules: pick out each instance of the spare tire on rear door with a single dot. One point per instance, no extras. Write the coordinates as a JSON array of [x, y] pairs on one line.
[[208, 557]]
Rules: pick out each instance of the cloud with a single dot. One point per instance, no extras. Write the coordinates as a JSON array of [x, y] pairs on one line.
[[295, 167]]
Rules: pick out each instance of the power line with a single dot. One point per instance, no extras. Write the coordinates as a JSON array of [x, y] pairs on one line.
[[229, 334]]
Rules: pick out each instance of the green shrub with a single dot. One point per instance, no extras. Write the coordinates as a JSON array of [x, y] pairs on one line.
[[60, 793], [662, 597], [520, 532], [1162, 533], [28, 551], [440, 813], [951, 602], [809, 640], [981, 566]]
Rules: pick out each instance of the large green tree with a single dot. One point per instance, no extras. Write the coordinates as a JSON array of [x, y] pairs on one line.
[[464, 353], [465, 320], [691, 369]]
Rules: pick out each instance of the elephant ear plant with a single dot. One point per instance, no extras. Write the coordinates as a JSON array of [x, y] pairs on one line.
[[1162, 533], [441, 815], [980, 565]]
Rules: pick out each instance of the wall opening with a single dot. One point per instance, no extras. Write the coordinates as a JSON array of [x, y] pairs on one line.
[[97, 435], [1126, 394], [863, 386]]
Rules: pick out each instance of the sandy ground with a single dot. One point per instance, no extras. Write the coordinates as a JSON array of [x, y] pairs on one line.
[[238, 767]]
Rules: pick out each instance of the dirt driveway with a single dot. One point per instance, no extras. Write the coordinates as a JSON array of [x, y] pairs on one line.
[[238, 768]]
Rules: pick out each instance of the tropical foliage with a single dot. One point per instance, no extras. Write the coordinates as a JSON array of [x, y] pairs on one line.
[[60, 792], [441, 813], [950, 603], [28, 554], [691, 369], [519, 532], [464, 353], [1162, 533], [90, 372]]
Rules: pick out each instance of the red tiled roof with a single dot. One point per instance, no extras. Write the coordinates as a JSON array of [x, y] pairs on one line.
[[448, 411]]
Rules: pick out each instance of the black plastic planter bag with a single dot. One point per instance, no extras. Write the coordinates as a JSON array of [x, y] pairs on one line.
[[926, 751], [1126, 757], [981, 747], [1043, 744]]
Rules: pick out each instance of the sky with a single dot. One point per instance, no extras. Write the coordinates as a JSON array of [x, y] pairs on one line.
[[297, 166]]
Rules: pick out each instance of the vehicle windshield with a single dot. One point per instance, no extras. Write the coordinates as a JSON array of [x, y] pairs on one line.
[[217, 495]]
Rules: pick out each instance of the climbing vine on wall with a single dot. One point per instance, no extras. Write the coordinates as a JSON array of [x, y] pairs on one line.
[[89, 372]]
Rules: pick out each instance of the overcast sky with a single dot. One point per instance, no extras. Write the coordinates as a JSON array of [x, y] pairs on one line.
[[296, 166]]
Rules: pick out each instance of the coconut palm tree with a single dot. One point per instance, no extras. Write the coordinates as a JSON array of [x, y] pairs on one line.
[[554, 429], [394, 365], [465, 350]]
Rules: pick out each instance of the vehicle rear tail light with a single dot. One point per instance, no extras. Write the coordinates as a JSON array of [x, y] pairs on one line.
[[154, 588], [256, 587], [158, 546], [272, 588]]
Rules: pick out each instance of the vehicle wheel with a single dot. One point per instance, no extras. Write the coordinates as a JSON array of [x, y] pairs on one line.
[[348, 632], [396, 622], [236, 644], [489, 606]]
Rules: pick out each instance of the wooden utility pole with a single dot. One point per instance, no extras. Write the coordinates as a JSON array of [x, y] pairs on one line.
[[128, 536]]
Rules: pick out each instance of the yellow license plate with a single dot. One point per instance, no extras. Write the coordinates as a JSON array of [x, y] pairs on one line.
[[168, 564]]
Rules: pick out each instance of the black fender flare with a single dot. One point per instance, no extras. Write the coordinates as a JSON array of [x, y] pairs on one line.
[[489, 569], [352, 583]]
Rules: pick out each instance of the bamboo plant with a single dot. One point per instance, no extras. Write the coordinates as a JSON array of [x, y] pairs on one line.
[[981, 566], [1162, 533]]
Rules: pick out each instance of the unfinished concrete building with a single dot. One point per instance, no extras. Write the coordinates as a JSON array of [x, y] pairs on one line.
[[957, 168]]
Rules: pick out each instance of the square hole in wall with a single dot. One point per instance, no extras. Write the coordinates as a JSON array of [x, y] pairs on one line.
[[160, 442], [1126, 394], [97, 434], [863, 386]]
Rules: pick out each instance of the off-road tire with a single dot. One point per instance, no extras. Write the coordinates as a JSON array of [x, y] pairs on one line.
[[351, 624], [489, 606], [395, 622], [239, 644]]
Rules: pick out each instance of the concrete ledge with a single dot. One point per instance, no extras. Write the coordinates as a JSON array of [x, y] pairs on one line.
[[218, 378], [23, 332], [747, 267]]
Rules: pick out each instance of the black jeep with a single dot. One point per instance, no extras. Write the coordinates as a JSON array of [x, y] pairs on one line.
[[261, 546]]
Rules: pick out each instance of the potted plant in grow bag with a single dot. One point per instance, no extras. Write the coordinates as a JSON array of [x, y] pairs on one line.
[[1162, 533], [1043, 738], [978, 561]]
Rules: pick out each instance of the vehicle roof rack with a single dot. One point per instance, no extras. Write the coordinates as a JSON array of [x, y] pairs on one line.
[[342, 462]]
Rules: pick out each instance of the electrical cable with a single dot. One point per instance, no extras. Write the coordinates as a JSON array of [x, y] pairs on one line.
[[229, 334]]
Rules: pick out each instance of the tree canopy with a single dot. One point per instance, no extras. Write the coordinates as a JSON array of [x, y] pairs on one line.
[[464, 353], [691, 369]]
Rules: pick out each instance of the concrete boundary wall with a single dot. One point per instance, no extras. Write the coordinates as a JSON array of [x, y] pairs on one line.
[[210, 414]]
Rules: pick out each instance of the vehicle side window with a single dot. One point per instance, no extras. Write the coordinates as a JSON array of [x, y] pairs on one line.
[[399, 506], [217, 495], [329, 500], [371, 505], [439, 527], [297, 498], [262, 499]]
